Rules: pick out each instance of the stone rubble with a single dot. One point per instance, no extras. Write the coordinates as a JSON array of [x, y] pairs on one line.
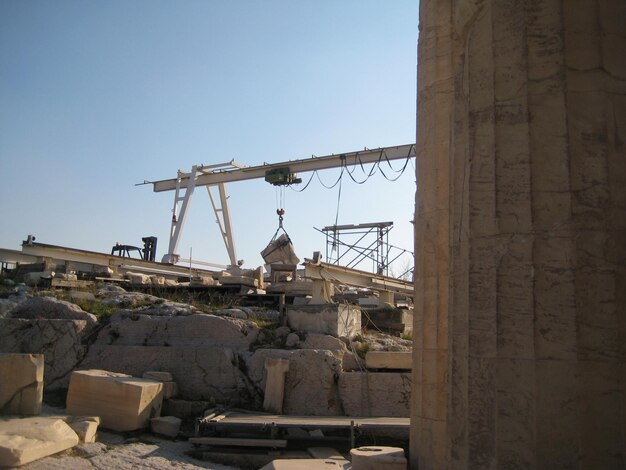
[[23, 440]]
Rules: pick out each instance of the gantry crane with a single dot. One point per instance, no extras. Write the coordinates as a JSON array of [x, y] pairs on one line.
[[284, 173]]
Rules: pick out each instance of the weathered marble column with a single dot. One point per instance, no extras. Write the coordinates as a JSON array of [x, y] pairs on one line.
[[520, 325]]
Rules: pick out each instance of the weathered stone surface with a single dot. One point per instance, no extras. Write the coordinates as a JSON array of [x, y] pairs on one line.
[[201, 352], [51, 308], [202, 372], [185, 409], [158, 375], [352, 362], [112, 295], [60, 342], [108, 290], [6, 306], [76, 295], [170, 389], [375, 393], [28, 439], [166, 425], [199, 281], [310, 384], [233, 313], [184, 331], [332, 319], [519, 325], [320, 341], [280, 251], [378, 458], [85, 427], [167, 308], [21, 383], [137, 279], [305, 464], [122, 402], [292, 340], [389, 360], [275, 384]]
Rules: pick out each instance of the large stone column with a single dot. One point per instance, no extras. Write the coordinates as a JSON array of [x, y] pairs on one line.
[[520, 325]]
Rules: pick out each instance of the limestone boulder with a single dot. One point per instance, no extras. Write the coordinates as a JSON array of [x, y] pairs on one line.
[[51, 308], [21, 383], [113, 296], [375, 393], [211, 373], [333, 319], [310, 384], [6, 306], [28, 439], [321, 341], [60, 342], [129, 328], [109, 290], [202, 353], [378, 458], [233, 313], [80, 296], [122, 402], [166, 425], [85, 427], [167, 309], [389, 360]]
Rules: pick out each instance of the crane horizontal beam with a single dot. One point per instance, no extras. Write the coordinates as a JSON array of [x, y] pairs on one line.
[[361, 157]]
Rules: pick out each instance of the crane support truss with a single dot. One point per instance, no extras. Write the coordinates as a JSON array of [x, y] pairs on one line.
[[185, 186], [218, 175]]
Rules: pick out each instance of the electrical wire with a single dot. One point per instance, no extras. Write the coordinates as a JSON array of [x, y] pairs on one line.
[[338, 201], [345, 167], [335, 183]]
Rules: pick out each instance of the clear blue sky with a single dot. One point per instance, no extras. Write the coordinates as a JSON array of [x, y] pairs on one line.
[[98, 96]]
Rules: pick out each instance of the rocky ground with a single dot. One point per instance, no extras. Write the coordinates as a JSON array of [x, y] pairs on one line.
[[113, 452], [216, 356]]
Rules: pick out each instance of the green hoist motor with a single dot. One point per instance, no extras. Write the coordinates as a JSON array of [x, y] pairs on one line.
[[281, 177]]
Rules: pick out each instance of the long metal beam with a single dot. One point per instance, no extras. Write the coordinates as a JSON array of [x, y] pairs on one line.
[[361, 157], [102, 259], [354, 277]]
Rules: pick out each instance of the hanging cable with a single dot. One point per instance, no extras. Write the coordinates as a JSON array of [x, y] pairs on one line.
[[401, 170], [335, 183], [399, 173], [306, 185], [338, 203], [366, 178]]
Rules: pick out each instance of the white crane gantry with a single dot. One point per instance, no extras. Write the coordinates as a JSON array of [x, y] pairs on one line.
[[218, 175]]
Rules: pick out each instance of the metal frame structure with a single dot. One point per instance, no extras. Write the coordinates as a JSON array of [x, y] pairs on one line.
[[376, 251], [218, 175], [186, 184]]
